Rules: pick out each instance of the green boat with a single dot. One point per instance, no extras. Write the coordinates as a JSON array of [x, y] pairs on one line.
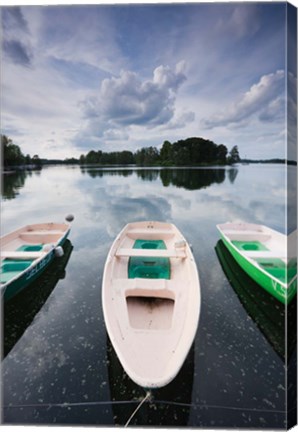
[[27, 252], [270, 316], [267, 256], [19, 312]]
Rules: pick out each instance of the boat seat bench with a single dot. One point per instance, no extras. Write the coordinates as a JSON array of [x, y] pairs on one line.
[[41, 232], [154, 253], [146, 286], [139, 282], [21, 254], [144, 232], [263, 254], [246, 235]]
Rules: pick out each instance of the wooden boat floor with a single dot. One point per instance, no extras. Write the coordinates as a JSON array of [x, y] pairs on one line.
[[150, 313]]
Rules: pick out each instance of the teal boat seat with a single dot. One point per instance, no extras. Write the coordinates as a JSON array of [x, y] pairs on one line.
[[149, 267], [249, 245], [149, 244], [11, 268], [30, 248]]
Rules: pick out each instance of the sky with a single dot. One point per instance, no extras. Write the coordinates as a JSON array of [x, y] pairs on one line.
[[122, 77]]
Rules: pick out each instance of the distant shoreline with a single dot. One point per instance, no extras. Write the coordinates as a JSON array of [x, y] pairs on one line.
[[266, 161], [242, 161], [17, 168], [49, 162]]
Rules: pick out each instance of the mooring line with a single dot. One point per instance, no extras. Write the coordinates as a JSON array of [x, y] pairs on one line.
[[69, 404], [148, 394], [129, 402], [220, 407]]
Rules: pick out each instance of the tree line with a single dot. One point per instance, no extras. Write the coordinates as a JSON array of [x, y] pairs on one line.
[[191, 151], [12, 155]]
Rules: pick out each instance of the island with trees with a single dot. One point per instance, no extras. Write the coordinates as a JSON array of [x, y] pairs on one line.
[[189, 152]]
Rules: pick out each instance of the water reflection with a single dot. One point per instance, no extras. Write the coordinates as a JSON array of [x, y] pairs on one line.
[[101, 172], [232, 174], [267, 312], [148, 174], [21, 310], [192, 179], [167, 406], [187, 178], [12, 183]]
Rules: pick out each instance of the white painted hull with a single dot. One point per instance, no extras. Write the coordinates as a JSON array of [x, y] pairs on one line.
[[151, 322]]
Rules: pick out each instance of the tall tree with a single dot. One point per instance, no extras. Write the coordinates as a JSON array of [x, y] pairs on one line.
[[12, 154], [166, 153], [234, 155]]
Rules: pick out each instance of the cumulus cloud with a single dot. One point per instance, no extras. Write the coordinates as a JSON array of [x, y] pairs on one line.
[[264, 99], [274, 110], [115, 135], [128, 100], [181, 120], [16, 37]]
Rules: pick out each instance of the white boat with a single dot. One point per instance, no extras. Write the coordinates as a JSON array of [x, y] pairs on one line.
[[268, 256], [26, 252], [151, 301]]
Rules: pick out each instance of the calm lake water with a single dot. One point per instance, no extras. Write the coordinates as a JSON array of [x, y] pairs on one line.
[[59, 366]]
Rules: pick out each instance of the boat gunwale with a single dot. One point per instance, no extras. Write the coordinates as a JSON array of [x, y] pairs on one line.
[[28, 228]]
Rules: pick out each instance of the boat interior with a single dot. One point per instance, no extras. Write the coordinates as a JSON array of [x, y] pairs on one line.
[[149, 269]]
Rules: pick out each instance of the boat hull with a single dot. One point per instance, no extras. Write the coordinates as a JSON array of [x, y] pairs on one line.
[[265, 310], [33, 272], [151, 312], [20, 312], [272, 286]]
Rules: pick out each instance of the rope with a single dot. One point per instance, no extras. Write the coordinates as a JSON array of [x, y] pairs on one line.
[[163, 402], [67, 404], [148, 394]]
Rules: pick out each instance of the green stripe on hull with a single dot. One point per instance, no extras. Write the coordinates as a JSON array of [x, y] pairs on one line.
[[276, 289]]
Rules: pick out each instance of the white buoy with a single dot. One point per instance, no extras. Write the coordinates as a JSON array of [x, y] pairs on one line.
[[69, 218], [59, 252]]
